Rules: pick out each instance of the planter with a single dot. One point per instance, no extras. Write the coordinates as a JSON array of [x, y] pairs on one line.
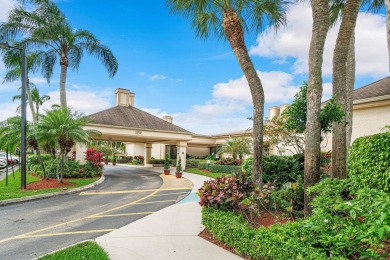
[[114, 163], [106, 162], [167, 171], [179, 175]]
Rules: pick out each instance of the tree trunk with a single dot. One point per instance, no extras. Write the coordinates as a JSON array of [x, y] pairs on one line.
[[38, 150], [351, 64], [235, 34], [340, 88], [64, 69], [320, 28], [62, 167], [30, 102], [387, 5]]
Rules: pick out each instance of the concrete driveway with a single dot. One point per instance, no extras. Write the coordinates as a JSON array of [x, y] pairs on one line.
[[32, 229]]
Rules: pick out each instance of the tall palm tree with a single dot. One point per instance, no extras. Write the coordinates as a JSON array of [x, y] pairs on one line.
[[36, 61], [229, 19], [36, 98], [48, 29], [343, 81], [66, 128], [320, 11]]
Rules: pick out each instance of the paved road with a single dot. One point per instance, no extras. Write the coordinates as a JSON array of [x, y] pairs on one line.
[[32, 229]]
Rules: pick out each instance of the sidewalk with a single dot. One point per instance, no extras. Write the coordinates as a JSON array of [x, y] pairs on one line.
[[171, 233]]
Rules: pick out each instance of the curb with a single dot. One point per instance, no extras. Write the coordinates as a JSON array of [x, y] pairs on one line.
[[50, 195]]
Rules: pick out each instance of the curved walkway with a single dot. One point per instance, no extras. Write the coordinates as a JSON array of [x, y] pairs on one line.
[[171, 233]]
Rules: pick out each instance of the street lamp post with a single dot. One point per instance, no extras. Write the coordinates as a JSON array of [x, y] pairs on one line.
[[23, 109]]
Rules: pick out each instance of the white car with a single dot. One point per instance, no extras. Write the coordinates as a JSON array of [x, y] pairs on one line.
[[3, 163], [15, 159]]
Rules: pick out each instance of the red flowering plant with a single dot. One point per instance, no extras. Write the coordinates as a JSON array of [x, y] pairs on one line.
[[94, 158]]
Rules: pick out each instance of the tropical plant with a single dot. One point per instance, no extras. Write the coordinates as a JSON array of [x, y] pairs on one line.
[[229, 19], [10, 136], [48, 29], [237, 147], [37, 100], [320, 11], [66, 128], [36, 60]]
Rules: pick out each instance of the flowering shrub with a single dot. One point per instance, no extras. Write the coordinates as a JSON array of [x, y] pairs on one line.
[[93, 157], [138, 159], [229, 161]]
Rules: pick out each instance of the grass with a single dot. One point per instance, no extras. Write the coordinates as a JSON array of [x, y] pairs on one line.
[[13, 189], [200, 172], [87, 251]]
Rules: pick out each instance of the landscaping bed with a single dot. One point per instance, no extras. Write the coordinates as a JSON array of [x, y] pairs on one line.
[[82, 251]]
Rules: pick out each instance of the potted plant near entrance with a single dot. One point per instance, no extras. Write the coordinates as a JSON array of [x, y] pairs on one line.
[[106, 159], [179, 169], [167, 163], [114, 159]]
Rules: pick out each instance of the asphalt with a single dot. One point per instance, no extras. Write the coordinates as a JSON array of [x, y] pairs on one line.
[[168, 234], [35, 228]]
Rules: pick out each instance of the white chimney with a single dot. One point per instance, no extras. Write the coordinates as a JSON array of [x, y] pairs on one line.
[[273, 112], [168, 119], [124, 97], [282, 108]]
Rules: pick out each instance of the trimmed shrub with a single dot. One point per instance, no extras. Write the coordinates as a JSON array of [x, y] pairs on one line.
[[369, 162], [125, 159], [192, 163], [214, 168], [289, 241], [157, 161]]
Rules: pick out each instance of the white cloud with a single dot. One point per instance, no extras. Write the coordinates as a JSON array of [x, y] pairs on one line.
[[277, 88], [157, 77], [6, 6], [293, 41], [87, 102], [231, 104]]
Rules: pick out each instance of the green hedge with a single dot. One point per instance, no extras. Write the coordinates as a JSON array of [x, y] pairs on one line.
[[193, 163], [157, 161], [289, 241], [215, 168], [369, 162]]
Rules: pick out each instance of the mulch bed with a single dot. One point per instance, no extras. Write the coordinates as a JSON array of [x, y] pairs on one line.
[[48, 184], [206, 171]]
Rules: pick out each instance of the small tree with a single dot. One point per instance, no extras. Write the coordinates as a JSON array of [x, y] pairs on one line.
[[237, 146], [94, 158], [167, 161], [179, 167]]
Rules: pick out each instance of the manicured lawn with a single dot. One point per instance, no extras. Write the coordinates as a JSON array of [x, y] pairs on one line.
[[85, 251], [13, 189], [199, 172]]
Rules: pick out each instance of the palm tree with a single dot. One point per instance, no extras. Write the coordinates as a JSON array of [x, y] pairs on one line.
[[35, 61], [343, 81], [10, 137], [48, 29], [66, 128], [237, 146], [37, 100], [229, 19], [320, 10]]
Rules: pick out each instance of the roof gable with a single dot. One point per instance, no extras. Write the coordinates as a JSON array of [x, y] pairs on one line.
[[129, 116]]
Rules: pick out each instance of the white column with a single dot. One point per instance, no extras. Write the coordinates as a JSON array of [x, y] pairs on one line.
[[148, 153], [80, 152], [182, 152]]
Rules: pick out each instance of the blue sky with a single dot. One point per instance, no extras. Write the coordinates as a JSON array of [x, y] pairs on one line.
[[198, 82]]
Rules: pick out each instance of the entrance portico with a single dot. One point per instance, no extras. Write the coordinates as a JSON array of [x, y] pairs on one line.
[[132, 126]]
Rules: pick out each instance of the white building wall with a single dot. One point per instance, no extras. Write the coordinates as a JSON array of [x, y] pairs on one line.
[[158, 151], [135, 149], [198, 151]]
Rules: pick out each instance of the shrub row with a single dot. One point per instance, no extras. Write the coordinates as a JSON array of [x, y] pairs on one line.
[[157, 161], [193, 163], [346, 224], [214, 168], [290, 241]]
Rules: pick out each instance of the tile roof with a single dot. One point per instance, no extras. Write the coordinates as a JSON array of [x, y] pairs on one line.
[[375, 89], [133, 118]]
